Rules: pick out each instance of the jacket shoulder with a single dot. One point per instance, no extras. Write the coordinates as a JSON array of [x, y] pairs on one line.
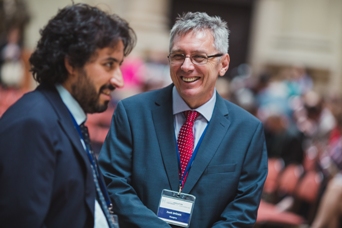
[[238, 113], [150, 97]]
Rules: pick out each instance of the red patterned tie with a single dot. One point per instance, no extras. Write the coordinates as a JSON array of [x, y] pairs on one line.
[[186, 140]]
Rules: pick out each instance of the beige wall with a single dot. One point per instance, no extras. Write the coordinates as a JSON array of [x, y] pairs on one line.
[[307, 32], [284, 32], [149, 19], [41, 11]]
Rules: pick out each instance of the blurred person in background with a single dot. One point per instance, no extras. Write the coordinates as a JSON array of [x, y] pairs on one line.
[[298, 80], [11, 65], [283, 140], [329, 211], [13, 20], [12, 69], [316, 121], [15, 77], [145, 157], [48, 172]]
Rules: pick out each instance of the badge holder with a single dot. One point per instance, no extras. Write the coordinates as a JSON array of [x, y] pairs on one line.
[[176, 208]]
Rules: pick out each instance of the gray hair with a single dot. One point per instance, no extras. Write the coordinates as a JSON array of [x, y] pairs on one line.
[[199, 21]]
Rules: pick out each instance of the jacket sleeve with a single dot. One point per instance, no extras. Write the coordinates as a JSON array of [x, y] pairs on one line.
[[26, 172], [242, 211], [115, 162]]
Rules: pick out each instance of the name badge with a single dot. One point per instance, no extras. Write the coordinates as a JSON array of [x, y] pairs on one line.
[[176, 208]]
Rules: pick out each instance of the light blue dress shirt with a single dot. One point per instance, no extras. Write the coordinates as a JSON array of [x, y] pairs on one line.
[[206, 111]]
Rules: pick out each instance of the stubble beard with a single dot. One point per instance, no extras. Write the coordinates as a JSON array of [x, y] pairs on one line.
[[86, 95]]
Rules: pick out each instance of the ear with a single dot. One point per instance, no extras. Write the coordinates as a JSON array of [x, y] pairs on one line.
[[68, 66], [224, 64]]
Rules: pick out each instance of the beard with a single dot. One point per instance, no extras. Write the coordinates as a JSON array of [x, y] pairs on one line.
[[86, 95]]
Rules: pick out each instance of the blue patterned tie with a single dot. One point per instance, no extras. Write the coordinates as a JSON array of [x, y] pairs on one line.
[[85, 133]]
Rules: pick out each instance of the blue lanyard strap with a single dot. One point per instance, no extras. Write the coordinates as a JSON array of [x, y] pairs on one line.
[[93, 163], [188, 167]]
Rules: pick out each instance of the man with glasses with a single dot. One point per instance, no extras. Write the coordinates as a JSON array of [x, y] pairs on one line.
[[182, 156]]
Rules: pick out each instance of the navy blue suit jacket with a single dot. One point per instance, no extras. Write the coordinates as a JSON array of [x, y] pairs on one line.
[[139, 160], [45, 175]]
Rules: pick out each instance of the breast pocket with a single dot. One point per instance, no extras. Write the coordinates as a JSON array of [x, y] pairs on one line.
[[226, 168]]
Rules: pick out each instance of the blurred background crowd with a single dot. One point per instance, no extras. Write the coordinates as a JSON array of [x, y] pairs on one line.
[[286, 69]]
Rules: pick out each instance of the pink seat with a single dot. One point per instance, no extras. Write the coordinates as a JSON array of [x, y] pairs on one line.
[[289, 178], [308, 187], [275, 167]]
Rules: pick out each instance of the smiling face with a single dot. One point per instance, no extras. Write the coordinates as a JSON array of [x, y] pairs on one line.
[[92, 85], [196, 83]]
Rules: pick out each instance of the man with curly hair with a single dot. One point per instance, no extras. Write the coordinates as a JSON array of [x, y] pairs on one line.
[[49, 176]]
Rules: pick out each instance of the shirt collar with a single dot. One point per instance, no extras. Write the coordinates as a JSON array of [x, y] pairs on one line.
[[179, 105], [72, 104]]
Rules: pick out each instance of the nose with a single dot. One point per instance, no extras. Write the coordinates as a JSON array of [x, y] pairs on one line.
[[117, 79], [187, 64]]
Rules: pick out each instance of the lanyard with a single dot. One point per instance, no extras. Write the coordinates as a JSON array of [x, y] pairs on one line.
[[188, 167], [93, 164]]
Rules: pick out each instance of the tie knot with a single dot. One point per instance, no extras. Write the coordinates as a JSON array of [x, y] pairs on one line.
[[84, 130], [191, 116], [83, 126]]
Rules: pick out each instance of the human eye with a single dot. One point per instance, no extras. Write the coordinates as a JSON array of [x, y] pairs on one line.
[[109, 65], [177, 56], [199, 58]]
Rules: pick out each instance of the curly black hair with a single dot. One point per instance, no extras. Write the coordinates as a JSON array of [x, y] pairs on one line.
[[75, 33]]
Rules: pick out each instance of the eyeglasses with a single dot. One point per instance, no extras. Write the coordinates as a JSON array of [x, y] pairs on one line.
[[198, 59]]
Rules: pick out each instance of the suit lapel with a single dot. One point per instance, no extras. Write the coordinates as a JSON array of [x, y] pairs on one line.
[[69, 129], [71, 132], [216, 131], [166, 135], [217, 128], [65, 119]]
